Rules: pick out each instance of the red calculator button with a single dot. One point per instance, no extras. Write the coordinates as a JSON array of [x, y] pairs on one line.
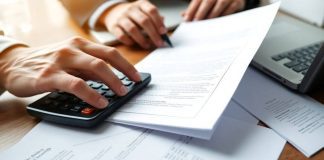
[[87, 110]]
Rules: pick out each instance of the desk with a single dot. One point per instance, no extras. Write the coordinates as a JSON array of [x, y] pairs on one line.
[[51, 23]]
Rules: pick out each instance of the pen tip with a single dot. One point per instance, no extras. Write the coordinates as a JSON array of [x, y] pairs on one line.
[[167, 40]]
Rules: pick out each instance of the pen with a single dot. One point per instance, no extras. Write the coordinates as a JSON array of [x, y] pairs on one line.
[[166, 38]]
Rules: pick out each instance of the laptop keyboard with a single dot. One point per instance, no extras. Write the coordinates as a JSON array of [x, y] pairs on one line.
[[299, 59]]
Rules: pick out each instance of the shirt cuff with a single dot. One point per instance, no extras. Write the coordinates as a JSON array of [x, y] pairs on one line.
[[6, 42], [100, 10]]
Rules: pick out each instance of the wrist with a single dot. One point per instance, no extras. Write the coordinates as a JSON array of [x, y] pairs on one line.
[[93, 21], [110, 12], [7, 59]]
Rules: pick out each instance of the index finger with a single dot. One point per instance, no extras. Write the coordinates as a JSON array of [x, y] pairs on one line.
[[204, 9], [112, 56], [192, 9], [153, 13], [76, 86]]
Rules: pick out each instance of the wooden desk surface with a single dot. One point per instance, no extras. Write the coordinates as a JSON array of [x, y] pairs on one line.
[[49, 22]]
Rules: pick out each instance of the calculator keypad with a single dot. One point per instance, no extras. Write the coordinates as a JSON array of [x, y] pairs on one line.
[[65, 108], [65, 103]]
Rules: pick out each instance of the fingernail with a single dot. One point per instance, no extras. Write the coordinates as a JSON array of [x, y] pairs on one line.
[[103, 102], [123, 90], [163, 30], [137, 76]]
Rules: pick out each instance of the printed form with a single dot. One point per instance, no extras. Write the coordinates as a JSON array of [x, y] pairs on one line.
[[236, 138], [297, 118], [193, 82]]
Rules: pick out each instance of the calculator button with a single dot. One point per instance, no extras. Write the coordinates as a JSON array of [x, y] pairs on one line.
[[121, 76], [127, 83], [63, 98], [105, 88], [75, 100], [56, 104], [83, 103], [87, 110], [65, 107], [53, 95], [110, 94], [96, 85], [76, 109], [102, 92], [47, 102]]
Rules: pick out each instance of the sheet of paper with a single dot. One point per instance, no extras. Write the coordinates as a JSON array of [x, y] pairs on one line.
[[297, 118], [233, 140], [233, 110], [193, 82]]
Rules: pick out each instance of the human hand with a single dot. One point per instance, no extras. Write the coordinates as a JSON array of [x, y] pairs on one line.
[[131, 22], [206, 9], [64, 67]]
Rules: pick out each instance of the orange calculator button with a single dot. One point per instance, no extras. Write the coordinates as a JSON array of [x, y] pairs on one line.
[[87, 110]]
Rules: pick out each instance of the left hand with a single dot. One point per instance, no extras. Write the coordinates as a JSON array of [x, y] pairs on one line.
[[130, 21], [206, 9]]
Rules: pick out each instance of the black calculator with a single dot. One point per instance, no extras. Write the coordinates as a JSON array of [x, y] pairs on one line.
[[65, 108]]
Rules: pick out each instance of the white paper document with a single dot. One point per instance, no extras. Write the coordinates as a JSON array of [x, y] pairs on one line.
[[297, 118], [237, 137], [193, 82]]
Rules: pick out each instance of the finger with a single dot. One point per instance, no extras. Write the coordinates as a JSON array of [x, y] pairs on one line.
[[113, 57], [122, 36], [134, 32], [232, 8], [204, 9], [79, 88], [162, 18], [101, 70], [219, 8], [192, 9], [98, 69], [183, 13], [151, 11], [147, 24]]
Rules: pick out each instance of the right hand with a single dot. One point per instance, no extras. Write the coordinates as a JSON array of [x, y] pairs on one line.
[[206, 9], [128, 21], [62, 67]]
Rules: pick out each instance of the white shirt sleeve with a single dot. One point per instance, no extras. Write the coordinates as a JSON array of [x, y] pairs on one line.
[[100, 10], [6, 42]]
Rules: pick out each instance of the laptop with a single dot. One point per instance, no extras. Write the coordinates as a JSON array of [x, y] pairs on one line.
[[169, 9], [311, 11], [293, 53]]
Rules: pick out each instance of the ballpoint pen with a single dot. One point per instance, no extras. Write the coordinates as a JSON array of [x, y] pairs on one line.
[[166, 38]]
